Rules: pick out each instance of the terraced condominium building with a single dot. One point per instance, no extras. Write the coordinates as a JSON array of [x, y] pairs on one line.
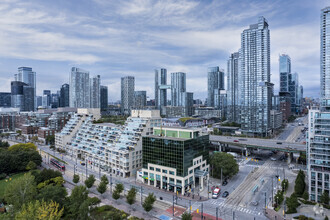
[[114, 148], [175, 159]]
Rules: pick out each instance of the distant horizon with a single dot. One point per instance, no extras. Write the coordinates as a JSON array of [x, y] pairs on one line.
[[135, 37]]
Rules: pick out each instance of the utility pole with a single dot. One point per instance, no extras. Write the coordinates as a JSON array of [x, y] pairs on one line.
[[141, 195], [233, 215], [173, 205], [86, 170], [74, 170], [202, 211], [216, 212], [99, 171], [272, 192], [208, 188], [221, 175], [265, 202], [111, 182], [189, 206]]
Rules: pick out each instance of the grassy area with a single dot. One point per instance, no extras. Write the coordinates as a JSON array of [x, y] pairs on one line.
[[4, 184], [120, 119]]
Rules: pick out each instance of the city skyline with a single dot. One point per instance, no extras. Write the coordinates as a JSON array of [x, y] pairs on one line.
[[190, 41]]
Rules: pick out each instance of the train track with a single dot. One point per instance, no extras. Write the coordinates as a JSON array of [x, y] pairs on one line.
[[244, 190]]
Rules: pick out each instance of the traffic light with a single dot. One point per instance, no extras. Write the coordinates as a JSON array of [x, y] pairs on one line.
[[197, 211]]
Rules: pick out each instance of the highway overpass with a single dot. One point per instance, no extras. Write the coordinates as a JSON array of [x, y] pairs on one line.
[[257, 143]]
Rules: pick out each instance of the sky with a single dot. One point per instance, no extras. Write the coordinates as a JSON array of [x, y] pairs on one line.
[[119, 38]]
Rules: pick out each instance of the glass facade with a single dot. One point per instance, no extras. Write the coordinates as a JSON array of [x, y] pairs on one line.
[[215, 81], [127, 94], [174, 152], [233, 83]]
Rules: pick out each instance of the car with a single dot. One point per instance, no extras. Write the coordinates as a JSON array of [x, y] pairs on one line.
[[224, 182], [255, 203], [82, 164], [273, 158], [257, 158], [278, 142], [225, 194], [236, 141]]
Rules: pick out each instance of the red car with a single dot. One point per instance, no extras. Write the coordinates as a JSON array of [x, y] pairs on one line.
[[236, 141]]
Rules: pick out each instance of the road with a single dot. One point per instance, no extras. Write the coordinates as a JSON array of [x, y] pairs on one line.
[[293, 130]]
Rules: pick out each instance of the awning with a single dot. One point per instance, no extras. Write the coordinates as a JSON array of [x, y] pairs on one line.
[[200, 173]]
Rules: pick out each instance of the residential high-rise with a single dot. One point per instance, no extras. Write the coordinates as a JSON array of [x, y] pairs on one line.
[[26, 75], [5, 99], [187, 99], [140, 99], [22, 96], [64, 100], [104, 98], [48, 101], [255, 73], [95, 84], [79, 88], [161, 88], [178, 86], [127, 94], [233, 88], [318, 138], [215, 80]]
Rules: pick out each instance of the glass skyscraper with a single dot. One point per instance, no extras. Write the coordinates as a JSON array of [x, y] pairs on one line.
[[64, 95], [255, 72], [104, 98], [318, 138], [161, 88], [26, 75], [215, 82], [178, 86], [285, 70], [95, 88]]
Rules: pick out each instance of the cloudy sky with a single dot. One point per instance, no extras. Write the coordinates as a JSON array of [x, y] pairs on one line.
[[134, 37]]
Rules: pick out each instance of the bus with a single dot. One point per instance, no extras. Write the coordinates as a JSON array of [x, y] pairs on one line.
[[57, 164], [216, 192]]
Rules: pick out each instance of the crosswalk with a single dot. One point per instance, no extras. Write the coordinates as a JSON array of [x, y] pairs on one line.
[[222, 205]]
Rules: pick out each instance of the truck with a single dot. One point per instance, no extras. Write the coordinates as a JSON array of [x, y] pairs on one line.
[[216, 192]]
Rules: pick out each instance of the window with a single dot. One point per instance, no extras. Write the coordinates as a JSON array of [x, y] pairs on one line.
[[164, 171], [172, 172], [151, 168], [157, 169], [191, 171]]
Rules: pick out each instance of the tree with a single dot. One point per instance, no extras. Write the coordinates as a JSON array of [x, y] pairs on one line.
[[22, 147], [292, 204], [325, 197], [40, 210], [53, 193], [285, 185], [148, 202], [326, 218], [31, 166], [299, 187], [119, 188], [104, 178], [74, 203], [102, 187], [226, 162], [46, 174], [34, 138], [90, 181], [50, 139], [115, 195], [130, 198], [21, 190], [186, 216], [76, 178]]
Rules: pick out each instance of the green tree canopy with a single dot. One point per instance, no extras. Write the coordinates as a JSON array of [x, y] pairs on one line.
[[53, 193], [22, 147], [76, 178], [46, 174], [226, 162], [40, 210], [102, 187], [119, 188], [325, 197], [148, 202], [89, 182], [300, 185], [131, 195], [186, 216], [21, 190], [292, 203], [104, 178], [31, 165]]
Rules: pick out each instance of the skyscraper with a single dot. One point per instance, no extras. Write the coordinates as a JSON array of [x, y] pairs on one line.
[[48, 101], [255, 73], [127, 94], [22, 96], [140, 99], [285, 71], [104, 98], [178, 86], [161, 88], [95, 84], [215, 81], [318, 138], [26, 75], [79, 88], [64, 96], [233, 88], [5, 99]]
